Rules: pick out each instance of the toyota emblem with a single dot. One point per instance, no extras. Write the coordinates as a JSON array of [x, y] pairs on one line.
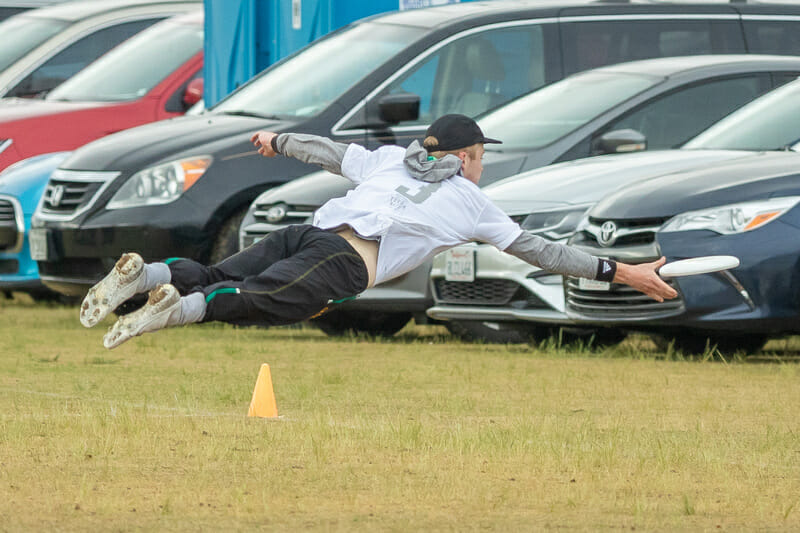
[[608, 233], [56, 195]]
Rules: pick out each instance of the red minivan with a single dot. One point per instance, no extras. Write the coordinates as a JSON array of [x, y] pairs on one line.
[[154, 75]]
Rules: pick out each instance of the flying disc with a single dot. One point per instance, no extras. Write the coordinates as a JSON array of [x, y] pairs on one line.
[[698, 265]]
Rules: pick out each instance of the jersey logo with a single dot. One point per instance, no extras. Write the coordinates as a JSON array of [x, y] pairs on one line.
[[422, 194]]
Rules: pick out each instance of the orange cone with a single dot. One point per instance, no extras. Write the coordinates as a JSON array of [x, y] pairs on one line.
[[263, 402]]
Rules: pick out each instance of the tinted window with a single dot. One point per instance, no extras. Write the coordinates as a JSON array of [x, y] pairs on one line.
[[671, 120], [23, 34], [769, 123], [308, 82], [768, 37], [592, 44], [476, 73], [131, 70], [546, 115], [74, 57]]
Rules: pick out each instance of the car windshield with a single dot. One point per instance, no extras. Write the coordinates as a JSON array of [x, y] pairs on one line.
[[307, 83], [21, 34], [544, 116], [771, 122], [132, 69]]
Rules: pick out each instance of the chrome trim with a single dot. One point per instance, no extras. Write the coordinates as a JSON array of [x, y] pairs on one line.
[[771, 17], [5, 144], [79, 176], [596, 231], [730, 278], [19, 220], [452, 312]]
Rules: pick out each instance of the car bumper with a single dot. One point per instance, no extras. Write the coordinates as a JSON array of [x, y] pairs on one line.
[[505, 289], [762, 295]]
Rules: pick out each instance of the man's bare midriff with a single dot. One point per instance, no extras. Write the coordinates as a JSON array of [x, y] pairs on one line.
[[366, 248]]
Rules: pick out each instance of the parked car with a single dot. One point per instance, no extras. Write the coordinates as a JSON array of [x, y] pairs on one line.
[[44, 47], [154, 75], [655, 103], [21, 188], [748, 208], [379, 80], [10, 8], [489, 295]]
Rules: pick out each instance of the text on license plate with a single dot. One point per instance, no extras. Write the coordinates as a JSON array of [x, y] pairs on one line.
[[38, 242], [459, 265], [593, 285]]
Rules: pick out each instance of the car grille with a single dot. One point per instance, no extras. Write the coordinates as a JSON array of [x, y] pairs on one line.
[[295, 214], [70, 193], [627, 233], [10, 229], [621, 301], [499, 292], [9, 266]]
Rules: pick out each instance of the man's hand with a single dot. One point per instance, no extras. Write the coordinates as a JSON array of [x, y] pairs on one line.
[[645, 278], [263, 141]]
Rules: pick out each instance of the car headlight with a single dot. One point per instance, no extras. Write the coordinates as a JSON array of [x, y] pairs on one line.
[[160, 184], [556, 224], [733, 218]]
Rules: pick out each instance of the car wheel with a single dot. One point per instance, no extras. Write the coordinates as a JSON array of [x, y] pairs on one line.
[[338, 323], [496, 332], [697, 343], [226, 242]]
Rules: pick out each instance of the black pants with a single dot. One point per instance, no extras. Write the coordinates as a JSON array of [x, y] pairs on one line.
[[287, 277]]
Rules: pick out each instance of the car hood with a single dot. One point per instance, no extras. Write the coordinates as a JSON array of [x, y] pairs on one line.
[[165, 140], [760, 175], [26, 179], [585, 181], [313, 190], [12, 109]]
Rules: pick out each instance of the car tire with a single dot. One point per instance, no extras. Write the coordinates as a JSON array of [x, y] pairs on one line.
[[593, 337], [495, 332], [338, 323], [226, 242], [697, 343]]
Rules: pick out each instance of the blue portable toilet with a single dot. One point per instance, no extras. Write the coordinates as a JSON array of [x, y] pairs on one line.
[[243, 37]]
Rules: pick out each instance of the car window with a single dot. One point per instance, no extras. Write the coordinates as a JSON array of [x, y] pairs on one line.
[[22, 34], [132, 69], [544, 116], [596, 43], [672, 119], [772, 37], [770, 123], [75, 57], [6, 12], [476, 73], [306, 83]]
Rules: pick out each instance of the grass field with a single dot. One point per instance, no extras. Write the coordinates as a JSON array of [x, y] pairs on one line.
[[416, 433]]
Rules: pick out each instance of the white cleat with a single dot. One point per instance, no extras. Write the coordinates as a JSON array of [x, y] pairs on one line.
[[162, 302], [117, 287]]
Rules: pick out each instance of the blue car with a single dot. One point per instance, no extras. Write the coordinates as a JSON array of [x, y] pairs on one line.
[[21, 187], [749, 208]]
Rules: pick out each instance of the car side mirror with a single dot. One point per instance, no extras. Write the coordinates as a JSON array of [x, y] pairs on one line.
[[396, 108], [620, 141], [193, 92]]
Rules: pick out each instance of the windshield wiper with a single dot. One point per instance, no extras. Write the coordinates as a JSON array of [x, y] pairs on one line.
[[242, 113]]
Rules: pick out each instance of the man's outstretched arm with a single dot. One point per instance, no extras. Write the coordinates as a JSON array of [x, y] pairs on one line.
[[307, 148], [565, 260]]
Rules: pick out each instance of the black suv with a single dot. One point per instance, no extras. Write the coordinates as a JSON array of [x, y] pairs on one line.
[[181, 187]]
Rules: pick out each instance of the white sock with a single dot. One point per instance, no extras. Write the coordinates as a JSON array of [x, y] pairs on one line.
[[193, 308], [153, 275]]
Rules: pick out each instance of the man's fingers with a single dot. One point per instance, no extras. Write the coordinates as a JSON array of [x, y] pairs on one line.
[[254, 139]]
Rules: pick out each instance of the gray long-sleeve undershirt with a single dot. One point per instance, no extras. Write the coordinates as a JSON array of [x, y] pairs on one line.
[[312, 149], [553, 257]]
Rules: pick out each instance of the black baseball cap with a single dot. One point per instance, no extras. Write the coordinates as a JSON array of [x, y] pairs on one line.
[[451, 132]]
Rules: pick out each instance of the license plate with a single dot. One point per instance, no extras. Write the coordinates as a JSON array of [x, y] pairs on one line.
[[37, 238], [593, 285], [459, 265]]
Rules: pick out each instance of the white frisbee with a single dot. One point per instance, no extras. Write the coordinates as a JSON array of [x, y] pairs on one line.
[[698, 265]]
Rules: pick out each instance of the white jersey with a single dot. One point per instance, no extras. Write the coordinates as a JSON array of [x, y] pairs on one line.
[[414, 220]]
